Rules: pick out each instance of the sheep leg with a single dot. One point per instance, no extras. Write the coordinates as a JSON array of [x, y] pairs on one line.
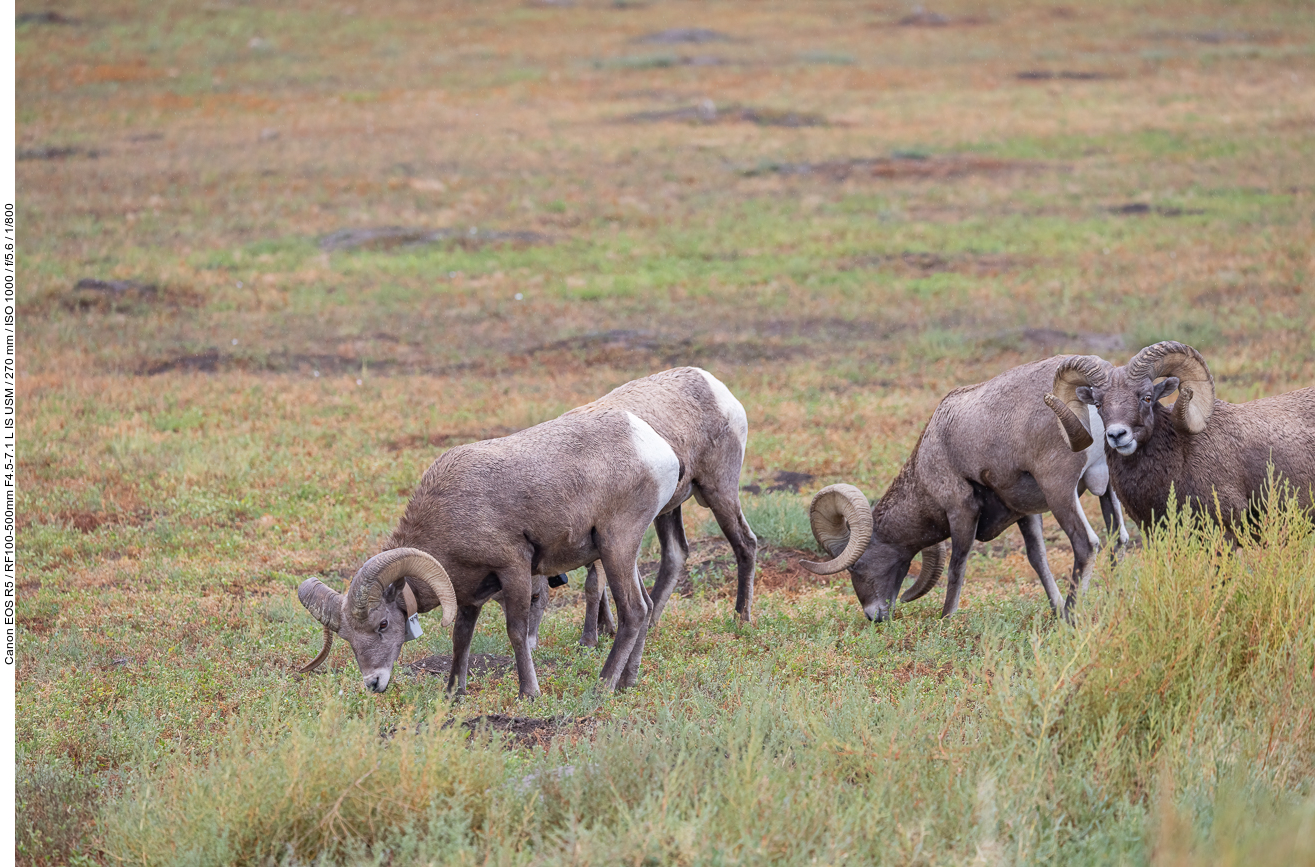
[[724, 500], [620, 564], [1112, 511], [592, 611], [606, 622], [963, 532], [1073, 521], [630, 674], [671, 536], [538, 605], [516, 601], [597, 611], [1035, 545], [462, 631]]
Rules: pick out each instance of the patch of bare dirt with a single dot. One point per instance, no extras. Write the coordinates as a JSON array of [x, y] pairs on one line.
[[481, 664], [712, 563], [1052, 341], [915, 166], [683, 36], [1137, 209], [445, 439], [55, 152], [921, 263], [924, 17], [533, 731], [784, 481], [393, 237], [91, 293], [633, 348], [707, 112], [214, 361], [1215, 37], [1061, 75], [47, 17]]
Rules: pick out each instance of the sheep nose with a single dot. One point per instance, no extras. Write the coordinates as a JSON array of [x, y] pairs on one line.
[[1118, 435], [372, 683]]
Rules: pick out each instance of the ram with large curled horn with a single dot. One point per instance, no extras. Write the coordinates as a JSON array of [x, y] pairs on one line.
[[1216, 456], [991, 456], [490, 519]]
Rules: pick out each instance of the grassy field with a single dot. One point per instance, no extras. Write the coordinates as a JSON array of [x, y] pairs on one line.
[[842, 210]]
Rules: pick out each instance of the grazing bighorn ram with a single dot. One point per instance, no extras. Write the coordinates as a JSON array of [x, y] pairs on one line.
[[989, 457], [1216, 455], [488, 517]]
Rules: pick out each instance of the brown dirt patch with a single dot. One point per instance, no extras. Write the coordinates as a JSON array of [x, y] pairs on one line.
[[1061, 75], [712, 563], [492, 664], [786, 481], [1136, 209], [533, 731], [394, 237], [707, 112], [682, 35], [915, 263], [447, 439], [55, 152], [922, 17], [91, 293], [913, 166], [214, 361]]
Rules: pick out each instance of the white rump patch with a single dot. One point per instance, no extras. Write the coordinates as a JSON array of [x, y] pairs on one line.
[[657, 455], [730, 407]]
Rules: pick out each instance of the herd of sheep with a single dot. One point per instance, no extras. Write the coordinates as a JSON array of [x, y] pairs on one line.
[[502, 519]]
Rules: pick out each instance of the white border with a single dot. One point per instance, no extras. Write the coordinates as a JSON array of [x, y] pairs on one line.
[[8, 410]]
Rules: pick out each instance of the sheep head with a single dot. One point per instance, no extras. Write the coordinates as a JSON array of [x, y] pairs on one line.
[[371, 615], [841, 520], [1126, 397]]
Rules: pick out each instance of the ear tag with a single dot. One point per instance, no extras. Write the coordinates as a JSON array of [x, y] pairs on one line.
[[413, 630]]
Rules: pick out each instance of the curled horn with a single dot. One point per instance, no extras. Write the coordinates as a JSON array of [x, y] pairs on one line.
[[381, 570], [1196, 387], [325, 604], [1072, 414], [323, 655], [933, 563], [842, 524]]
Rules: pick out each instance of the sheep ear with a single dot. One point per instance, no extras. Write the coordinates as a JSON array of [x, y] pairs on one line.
[[1085, 394], [1165, 387]]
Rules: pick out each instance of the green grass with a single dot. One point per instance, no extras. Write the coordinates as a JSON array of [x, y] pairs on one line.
[[1176, 712], [166, 519]]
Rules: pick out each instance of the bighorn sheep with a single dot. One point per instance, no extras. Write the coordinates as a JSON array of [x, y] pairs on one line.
[[988, 458], [488, 517], [1216, 455]]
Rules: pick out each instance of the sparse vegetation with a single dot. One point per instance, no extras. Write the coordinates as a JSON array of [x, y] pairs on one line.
[[224, 408]]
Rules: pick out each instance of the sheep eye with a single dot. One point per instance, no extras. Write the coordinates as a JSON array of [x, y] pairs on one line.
[[383, 624]]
